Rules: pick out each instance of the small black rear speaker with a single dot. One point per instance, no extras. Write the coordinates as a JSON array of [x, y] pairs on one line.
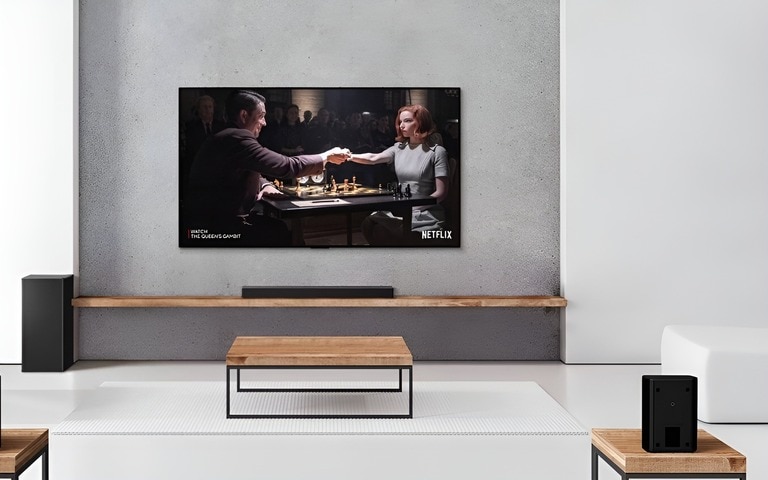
[[669, 413]]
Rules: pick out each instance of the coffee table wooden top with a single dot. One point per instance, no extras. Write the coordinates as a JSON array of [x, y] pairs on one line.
[[18, 446], [319, 351], [624, 448]]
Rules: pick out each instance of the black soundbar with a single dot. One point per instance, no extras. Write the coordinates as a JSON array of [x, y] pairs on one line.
[[318, 292]]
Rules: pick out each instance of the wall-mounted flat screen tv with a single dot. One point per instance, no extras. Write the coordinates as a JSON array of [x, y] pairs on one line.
[[319, 167]]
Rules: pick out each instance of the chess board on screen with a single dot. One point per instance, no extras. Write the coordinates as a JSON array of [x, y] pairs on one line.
[[319, 167]]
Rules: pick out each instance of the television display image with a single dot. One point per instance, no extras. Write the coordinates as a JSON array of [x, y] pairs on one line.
[[319, 167]]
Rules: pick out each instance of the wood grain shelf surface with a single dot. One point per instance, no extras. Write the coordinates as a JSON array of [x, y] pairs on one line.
[[624, 448], [405, 301], [319, 351], [19, 446]]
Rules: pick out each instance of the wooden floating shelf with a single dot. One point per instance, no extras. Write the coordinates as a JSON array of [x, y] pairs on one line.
[[406, 301]]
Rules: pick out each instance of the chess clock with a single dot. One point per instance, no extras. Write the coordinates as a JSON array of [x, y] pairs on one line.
[[313, 179]]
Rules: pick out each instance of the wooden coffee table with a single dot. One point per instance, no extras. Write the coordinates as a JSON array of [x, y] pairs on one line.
[[20, 448], [622, 450], [320, 353]]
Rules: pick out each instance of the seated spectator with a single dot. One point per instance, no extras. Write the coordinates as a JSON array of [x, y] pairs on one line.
[[319, 136], [382, 137], [451, 139], [268, 136], [352, 136], [289, 135], [195, 131], [307, 118]]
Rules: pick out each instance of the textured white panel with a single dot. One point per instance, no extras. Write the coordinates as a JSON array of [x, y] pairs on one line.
[[440, 408]]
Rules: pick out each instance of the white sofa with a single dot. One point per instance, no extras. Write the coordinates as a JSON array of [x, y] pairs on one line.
[[731, 364]]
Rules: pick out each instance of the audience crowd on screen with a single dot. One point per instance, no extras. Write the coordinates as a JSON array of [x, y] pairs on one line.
[[287, 133]]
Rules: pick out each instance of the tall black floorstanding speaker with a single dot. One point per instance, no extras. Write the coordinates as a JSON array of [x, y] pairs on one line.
[[669, 413], [47, 323]]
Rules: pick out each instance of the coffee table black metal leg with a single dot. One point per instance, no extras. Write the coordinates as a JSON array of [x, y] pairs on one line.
[[240, 389], [229, 415], [410, 392]]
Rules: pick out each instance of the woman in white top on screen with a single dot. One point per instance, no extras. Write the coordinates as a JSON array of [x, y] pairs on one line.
[[419, 163]]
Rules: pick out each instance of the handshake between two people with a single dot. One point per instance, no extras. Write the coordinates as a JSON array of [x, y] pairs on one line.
[[336, 155]]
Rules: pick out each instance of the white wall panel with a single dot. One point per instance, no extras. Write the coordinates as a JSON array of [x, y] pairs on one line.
[[38, 54], [665, 166]]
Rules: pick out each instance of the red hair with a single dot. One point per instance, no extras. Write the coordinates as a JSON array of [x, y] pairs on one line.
[[424, 122]]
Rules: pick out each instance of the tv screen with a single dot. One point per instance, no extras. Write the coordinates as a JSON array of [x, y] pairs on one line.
[[319, 167]]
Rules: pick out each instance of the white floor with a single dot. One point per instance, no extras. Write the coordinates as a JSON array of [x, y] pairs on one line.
[[597, 396]]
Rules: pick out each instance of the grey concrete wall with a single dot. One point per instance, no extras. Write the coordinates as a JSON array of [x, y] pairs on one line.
[[134, 55], [431, 334]]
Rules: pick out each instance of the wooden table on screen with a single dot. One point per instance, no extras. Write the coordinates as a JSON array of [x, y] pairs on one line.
[[622, 450], [20, 448], [296, 352], [346, 205]]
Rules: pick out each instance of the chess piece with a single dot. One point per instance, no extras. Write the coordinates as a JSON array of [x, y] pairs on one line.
[[346, 184], [408, 190], [399, 190], [354, 183]]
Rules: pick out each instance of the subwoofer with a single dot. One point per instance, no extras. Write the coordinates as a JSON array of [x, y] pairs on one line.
[[47, 323], [669, 413]]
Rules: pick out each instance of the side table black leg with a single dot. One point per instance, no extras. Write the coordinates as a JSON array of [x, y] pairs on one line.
[[45, 464], [596, 453], [594, 463]]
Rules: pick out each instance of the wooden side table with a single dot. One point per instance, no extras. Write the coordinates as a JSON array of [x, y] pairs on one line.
[[622, 450], [20, 448]]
